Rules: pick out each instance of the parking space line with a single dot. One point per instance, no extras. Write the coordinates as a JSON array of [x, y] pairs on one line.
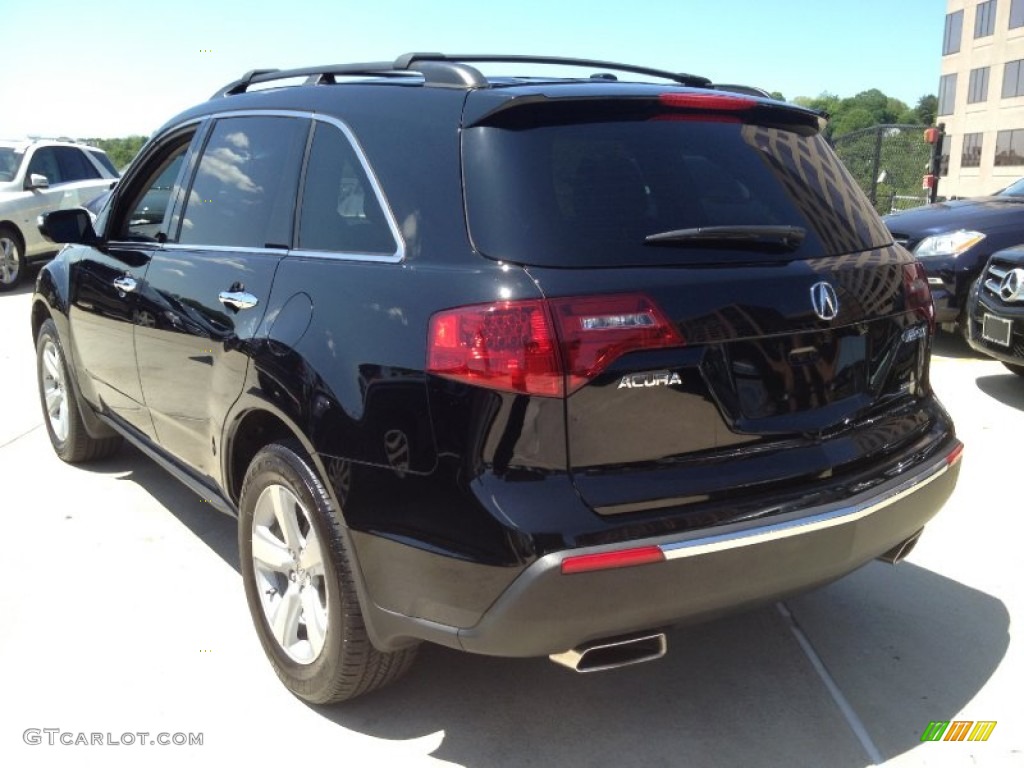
[[830, 684], [16, 438]]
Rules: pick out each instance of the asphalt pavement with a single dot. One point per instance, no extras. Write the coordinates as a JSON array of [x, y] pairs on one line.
[[123, 614]]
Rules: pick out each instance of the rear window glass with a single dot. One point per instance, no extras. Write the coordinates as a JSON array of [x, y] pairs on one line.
[[588, 193]]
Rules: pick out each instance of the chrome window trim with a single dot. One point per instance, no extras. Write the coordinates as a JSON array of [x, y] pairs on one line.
[[389, 216], [223, 248]]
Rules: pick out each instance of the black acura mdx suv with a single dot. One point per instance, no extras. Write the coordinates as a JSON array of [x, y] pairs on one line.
[[519, 365]]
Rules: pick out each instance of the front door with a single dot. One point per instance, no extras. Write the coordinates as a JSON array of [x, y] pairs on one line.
[[108, 296]]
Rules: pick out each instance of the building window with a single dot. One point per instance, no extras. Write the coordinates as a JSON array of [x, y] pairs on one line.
[[947, 94], [977, 87], [985, 19], [944, 156], [1013, 79], [1016, 14], [954, 30], [1010, 147], [971, 157]]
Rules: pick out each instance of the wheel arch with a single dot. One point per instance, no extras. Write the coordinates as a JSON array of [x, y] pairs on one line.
[[9, 224], [252, 428]]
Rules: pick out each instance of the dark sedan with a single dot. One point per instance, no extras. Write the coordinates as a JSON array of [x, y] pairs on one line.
[[953, 240]]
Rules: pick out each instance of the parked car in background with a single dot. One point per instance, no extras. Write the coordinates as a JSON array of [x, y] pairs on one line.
[[996, 310], [954, 239], [37, 176], [518, 365]]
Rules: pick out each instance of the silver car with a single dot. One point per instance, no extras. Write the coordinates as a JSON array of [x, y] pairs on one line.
[[37, 176]]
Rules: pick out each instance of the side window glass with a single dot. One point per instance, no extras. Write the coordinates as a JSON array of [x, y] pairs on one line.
[[102, 159], [244, 189], [74, 166], [44, 161], [340, 211], [150, 201]]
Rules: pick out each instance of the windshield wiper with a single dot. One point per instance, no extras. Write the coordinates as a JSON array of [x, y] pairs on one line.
[[739, 236]]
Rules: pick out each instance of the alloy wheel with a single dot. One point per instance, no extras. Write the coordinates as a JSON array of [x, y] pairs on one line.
[[10, 261], [291, 580]]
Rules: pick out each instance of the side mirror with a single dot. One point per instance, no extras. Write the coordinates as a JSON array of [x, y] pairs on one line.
[[73, 225], [37, 181]]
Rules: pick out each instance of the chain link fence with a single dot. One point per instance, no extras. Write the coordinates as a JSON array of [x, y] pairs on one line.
[[888, 162]]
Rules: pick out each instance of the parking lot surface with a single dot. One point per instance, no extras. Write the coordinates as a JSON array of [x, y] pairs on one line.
[[123, 613]]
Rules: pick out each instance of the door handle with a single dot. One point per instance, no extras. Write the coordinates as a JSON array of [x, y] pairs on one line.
[[125, 284], [237, 299]]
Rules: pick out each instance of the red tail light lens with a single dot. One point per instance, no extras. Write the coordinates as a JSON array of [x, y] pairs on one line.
[[596, 331], [918, 294], [543, 347], [509, 345]]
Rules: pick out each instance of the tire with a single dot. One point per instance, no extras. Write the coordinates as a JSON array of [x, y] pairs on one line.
[[297, 572], [61, 408], [1018, 369], [12, 259]]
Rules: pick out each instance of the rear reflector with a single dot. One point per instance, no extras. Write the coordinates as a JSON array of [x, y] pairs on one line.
[[955, 455], [624, 558], [544, 347], [711, 101]]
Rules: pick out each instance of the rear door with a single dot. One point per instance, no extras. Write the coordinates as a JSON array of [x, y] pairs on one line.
[[210, 282], [731, 311]]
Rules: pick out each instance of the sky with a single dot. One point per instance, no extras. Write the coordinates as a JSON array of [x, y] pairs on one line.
[[110, 68]]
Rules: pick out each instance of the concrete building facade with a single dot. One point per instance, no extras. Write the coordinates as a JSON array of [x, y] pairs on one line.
[[981, 96]]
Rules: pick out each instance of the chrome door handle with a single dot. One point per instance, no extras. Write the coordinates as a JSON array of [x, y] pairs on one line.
[[237, 299], [125, 284]]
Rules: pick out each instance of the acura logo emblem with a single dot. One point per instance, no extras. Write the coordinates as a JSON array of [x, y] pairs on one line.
[[824, 301], [1012, 287]]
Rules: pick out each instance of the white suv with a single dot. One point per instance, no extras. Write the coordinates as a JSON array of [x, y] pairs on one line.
[[37, 176]]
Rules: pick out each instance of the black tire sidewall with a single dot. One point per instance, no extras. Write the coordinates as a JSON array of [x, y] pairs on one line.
[[280, 465], [48, 331]]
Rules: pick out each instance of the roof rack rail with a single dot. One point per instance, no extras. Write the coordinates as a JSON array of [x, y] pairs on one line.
[[444, 70], [746, 90], [313, 75], [407, 60]]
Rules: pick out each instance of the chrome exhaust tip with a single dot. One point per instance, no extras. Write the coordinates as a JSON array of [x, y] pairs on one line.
[[901, 550], [613, 653]]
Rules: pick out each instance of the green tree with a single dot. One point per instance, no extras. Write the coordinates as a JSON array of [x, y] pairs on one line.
[[121, 151], [926, 110]]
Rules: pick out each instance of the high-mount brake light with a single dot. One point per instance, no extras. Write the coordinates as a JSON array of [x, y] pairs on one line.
[[710, 101], [544, 347]]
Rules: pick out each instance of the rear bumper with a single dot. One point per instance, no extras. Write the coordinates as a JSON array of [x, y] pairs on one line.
[[545, 611]]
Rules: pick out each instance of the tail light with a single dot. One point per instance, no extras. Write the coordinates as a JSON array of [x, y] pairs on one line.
[[918, 294], [548, 347]]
